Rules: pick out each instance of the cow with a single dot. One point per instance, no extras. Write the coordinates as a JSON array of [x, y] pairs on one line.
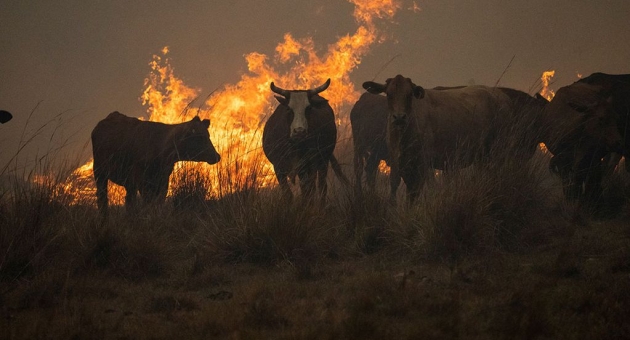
[[436, 129], [368, 118], [140, 155], [581, 129], [299, 138], [618, 87], [5, 116]]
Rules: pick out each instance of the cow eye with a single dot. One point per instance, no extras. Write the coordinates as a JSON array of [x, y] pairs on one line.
[[194, 130], [578, 107]]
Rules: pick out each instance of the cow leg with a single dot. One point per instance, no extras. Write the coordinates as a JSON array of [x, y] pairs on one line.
[[358, 172], [101, 193], [307, 181], [131, 199], [152, 184], [593, 191], [413, 175], [394, 183], [161, 189], [564, 166], [322, 183], [371, 167], [571, 184], [283, 181]]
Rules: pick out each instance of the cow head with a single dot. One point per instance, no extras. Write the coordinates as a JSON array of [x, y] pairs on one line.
[[195, 144], [400, 92], [588, 109], [300, 103]]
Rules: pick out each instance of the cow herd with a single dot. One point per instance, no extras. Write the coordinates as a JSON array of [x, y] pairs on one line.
[[415, 130]]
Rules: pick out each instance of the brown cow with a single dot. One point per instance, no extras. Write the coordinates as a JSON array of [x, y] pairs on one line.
[[300, 137], [140, 155], [368, 118], [436, 129]]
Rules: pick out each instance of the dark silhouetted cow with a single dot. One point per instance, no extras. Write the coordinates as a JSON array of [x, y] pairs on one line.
[[5, 116], [436, 129], [140, 155], [300, 137], [581, 129], [368, 118], [618, 87]]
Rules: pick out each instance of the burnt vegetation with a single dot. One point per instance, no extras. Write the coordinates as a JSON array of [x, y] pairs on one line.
[[492, 250]]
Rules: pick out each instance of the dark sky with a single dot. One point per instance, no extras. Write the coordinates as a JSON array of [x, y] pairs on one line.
[[84, 59]]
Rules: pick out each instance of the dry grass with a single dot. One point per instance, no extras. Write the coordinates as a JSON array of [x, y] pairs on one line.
[[491, 251]]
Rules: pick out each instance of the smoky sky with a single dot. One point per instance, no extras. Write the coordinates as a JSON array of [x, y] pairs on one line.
[[72, 62]]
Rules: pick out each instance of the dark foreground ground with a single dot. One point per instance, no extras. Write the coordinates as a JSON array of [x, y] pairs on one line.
[[577, 289], [472, 260]]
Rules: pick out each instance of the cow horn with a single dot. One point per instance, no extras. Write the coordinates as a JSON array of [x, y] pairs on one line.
[[320, 88], [279, 90]]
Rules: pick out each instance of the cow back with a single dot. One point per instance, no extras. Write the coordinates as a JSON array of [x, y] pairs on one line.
[[456, 124]]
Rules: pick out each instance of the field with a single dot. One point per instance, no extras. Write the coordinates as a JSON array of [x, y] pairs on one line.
[[491, 251]]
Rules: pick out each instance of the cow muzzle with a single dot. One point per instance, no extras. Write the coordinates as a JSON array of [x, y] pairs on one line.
[[399, 120], [298, 133]]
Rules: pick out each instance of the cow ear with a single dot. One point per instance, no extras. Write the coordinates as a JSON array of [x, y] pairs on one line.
[[5, 116], [195, 119], [206, 123], [373, 87], [418, 92], [282, 100]]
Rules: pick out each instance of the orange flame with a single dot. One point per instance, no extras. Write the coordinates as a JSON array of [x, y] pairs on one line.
[[547, 93], [238, 111], [545, 79]]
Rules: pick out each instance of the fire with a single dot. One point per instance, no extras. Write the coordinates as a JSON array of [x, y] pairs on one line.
[[383, 168], [547, 93], [238, 111], [545, 79]]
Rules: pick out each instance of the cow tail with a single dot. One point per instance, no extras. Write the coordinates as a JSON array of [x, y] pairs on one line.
[[337, 169]]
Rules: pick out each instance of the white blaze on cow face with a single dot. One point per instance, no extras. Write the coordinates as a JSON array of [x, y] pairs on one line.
[[298, 103]]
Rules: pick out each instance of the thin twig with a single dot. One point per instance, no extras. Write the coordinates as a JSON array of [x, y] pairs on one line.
[[385, 66], [505, 70]]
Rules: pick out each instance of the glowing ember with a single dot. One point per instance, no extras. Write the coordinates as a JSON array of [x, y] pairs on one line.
[[238, 111], [383, 168]]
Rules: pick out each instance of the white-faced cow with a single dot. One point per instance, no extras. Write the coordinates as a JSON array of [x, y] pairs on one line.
[[368, 118], [300, 137], [435, 129], [5, 116], [140, 155]]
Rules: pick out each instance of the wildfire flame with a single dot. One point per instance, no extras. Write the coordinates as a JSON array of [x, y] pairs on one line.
[[548, 94], [238, 111], [545, 79]]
